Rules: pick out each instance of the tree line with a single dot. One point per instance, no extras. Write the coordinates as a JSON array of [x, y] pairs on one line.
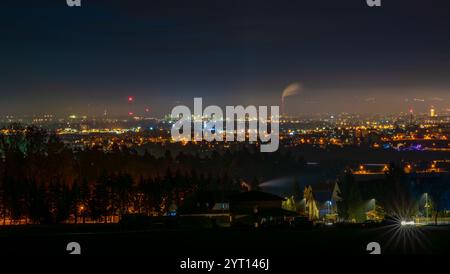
[[44, 180]]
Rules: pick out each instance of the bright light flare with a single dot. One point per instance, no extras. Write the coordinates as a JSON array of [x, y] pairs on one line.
[[404, 235], [404, 223]]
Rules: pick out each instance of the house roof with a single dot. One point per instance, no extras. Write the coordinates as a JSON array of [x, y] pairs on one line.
[[255, 196]]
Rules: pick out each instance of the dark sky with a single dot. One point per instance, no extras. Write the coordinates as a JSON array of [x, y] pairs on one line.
[[348, 57]]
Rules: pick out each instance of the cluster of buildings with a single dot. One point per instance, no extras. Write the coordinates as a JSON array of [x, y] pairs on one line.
[[426, 132]]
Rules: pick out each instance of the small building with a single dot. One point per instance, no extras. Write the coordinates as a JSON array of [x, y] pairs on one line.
[[259, 208], [209, 207], [251, 208]]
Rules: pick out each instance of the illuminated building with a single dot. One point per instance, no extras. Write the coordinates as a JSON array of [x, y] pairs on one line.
[[411, 116], [432, 112]]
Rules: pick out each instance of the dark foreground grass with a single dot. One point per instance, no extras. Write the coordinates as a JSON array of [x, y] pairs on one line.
[[113, 239]]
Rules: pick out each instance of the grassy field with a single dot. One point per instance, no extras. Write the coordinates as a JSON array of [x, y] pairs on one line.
[[112, 239]]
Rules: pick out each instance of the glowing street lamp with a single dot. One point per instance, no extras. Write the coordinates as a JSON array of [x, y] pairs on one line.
[[329, 204], [427, 206], [373, 201], [81, 208], [361, 169]]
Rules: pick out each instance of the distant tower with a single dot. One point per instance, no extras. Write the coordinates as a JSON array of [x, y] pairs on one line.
[[130, 100], [411, 116], [432, 112]]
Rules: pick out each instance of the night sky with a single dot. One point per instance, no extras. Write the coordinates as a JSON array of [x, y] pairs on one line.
[[347, 56]]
